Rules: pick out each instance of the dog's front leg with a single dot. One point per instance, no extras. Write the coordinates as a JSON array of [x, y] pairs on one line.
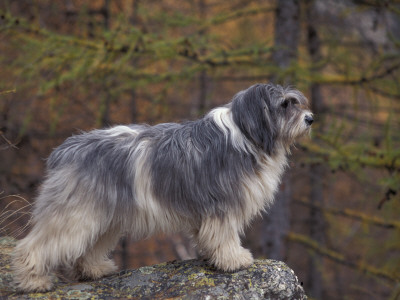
[[218, 240]]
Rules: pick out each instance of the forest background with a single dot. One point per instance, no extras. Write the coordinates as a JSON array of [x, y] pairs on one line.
[[77, 65]]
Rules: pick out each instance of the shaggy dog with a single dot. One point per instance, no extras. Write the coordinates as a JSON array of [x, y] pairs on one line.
[[207, 177]]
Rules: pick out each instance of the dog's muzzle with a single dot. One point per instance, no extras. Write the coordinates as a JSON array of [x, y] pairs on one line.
[[309, 120]]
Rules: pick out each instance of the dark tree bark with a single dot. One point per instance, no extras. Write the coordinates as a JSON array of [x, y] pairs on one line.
[[199, 105], [105, 113], [133, 105], [277, 221], [316, 175], [287, 32]]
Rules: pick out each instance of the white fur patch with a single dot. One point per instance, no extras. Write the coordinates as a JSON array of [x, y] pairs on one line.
[[121, 129], [150, 217], [260, 188], [222, 116]]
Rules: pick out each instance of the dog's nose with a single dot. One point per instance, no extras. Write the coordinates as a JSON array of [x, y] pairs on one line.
[[309, 120]]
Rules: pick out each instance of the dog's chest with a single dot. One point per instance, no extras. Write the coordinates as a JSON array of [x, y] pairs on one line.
[[259, 188]]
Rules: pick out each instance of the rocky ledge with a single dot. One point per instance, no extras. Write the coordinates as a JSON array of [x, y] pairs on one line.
[[191, 279]]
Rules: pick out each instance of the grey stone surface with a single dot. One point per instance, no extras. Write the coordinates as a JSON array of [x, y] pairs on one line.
[[191, 279]]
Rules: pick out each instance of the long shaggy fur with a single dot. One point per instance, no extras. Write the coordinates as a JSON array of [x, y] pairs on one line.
[[209, 177]]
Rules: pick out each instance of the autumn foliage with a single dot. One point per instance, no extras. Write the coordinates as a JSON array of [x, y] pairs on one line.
[[75, 65]]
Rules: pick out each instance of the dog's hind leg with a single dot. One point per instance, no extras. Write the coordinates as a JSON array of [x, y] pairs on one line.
[[31, 263], [218, 240], [95, 263], [58, 238]]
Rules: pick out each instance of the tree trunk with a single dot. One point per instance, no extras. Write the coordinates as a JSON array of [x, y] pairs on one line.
[[199, 104], [105, 112], [133, 106], [277, 221], [287, 31], [316, 218]]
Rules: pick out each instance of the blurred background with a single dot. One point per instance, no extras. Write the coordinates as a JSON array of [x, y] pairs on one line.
[[70, 65]]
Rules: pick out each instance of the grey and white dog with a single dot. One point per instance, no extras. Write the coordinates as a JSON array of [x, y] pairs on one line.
[[207, 177]]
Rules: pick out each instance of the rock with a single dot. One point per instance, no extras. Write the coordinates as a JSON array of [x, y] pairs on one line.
[[191, 279]]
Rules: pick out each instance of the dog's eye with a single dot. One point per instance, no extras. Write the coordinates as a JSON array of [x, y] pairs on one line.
[[288, 101]]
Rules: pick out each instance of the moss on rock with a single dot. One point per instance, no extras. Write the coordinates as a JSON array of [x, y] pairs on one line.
[[191, 279]]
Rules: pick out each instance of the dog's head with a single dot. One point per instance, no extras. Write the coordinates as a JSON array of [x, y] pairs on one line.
[[267, 114]]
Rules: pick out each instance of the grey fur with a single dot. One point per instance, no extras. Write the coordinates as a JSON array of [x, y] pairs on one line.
[[193, 171], [209, 176]]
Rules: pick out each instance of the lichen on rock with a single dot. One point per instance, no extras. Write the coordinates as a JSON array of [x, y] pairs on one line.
[[190, 279]]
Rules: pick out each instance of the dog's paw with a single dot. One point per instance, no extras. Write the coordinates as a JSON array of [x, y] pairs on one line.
[[233, 260], [88, 271], [33, 283]]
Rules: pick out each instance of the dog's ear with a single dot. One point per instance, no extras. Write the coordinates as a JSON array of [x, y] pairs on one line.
[[252, 113]]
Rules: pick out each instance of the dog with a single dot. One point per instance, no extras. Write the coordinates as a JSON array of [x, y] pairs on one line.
[[209, 178]]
